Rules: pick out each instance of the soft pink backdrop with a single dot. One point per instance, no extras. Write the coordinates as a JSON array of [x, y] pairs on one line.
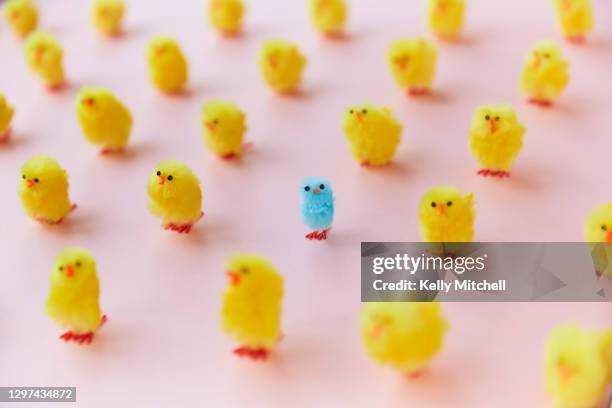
[[162, 345]]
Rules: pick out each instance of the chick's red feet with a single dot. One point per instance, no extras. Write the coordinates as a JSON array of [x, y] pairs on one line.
[[55, 222], [83, 338], [6, 136], [107, 151], [493, 173], [418, 91], [181, 228], [318, 235], [254, 354], [540, 102], [576, 39]]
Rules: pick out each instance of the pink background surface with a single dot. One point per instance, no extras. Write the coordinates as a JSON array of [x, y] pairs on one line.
[[162, 345]]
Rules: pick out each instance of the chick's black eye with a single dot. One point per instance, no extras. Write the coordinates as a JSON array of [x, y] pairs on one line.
[[216, 121], [61, 268], [449, 204], [604, 228], [170, 178], [306, 188], [36, 180], [158, 173], [497, 118], [487, 117], [364, 111], [23, 176], [351, 111], [433, 204], [322, 186], [78, 264], [244, 271]]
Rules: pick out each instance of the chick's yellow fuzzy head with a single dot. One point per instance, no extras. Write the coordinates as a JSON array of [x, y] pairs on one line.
[[250, 273], [22, 16], [446, 7], [368, 116], [544, 57], [281, 64], [406, 50], [43, 50], [73, 266], [328, 15], [226, 15], [163, 50], [42, 174], [171, 179], [93, 101], [222, 117], [107, 15], [492, 119], [445, 204], [572, 7], [598, 226]]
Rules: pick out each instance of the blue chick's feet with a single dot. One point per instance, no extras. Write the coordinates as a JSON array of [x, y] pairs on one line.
[[318, 235]]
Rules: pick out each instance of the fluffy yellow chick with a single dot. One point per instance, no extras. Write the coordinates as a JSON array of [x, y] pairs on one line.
[[373, 134], [21, 16], [167, 65], [6, 116], [405, 336], [175, 196], [226, 15], [496, 138], [413, 64], [44, 56], [446, 215], [575, 18], [104, 120], [73, 301], [598, 233], [445, 17], [252, 303], [44, 190], [224, 128], [281, 64], [107, 16], [545, 74], [328, 16], [578, 366]]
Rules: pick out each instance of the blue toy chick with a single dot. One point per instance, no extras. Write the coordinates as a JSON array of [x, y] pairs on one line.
[[317, 207]]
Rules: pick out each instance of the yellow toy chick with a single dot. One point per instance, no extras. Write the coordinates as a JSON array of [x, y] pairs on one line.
[[107, 16], [44, 56], [373, 134], [73, 301], [545, 74], [226, 15], [167, 66], [445, 215], [6, 116], [575, 18], [578, 366], [328, 16], [405, 336], [104, 120], [281, 64], [224, 128], [413, 64], [175, 196], [21, 16], [445, 18], [598, 233], [44, 190], [252, 303], [496, 138]]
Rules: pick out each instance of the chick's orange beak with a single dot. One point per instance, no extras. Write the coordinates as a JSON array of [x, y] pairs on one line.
[[377, 330], [492, 126], [30, 183], [211, 126], [609, 236], [442, 209], [565, 373], [69, 270], [537, 61], [38, 54], [273, 61], [402, 64], [88, 102], [234, 278], [359, 117], [441, 8], [162, 180]]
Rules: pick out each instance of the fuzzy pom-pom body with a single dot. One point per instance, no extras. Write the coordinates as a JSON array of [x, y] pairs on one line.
[[373, 134], [174, 194], [281, 64], [104, 120], [445, 215], [413, 63], [6, 116], [496, 137], [575, 18], [44, 56], [107, 16], [226, 15], [545, 73], [405, 336], [598, 233], [328, 16], [73, 301], [44, 189], [317, 203], [21, 16], [252, 302], [445, 17], [224, 127], [168, 68], [578, 366]]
